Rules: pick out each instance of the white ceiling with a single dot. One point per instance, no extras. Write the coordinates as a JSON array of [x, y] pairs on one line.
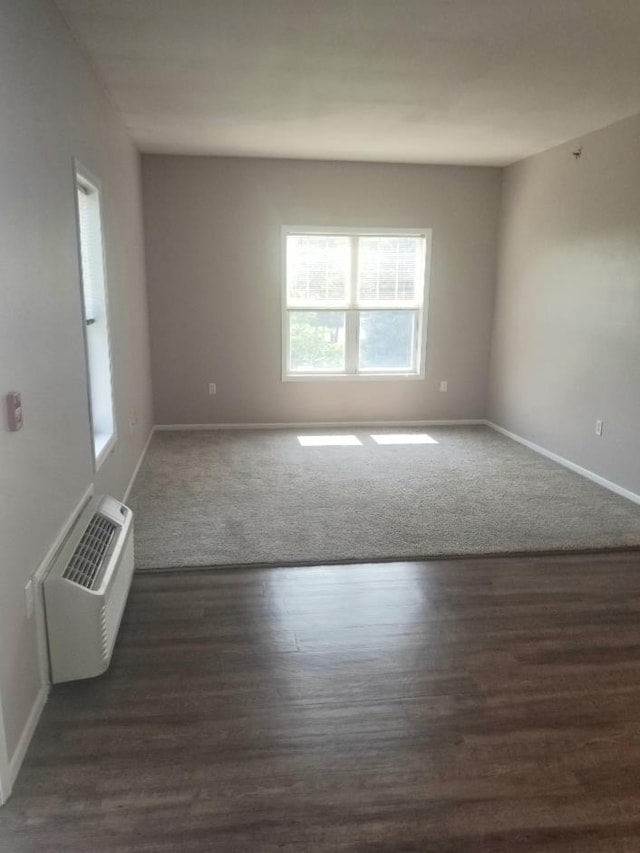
[[421, 81]]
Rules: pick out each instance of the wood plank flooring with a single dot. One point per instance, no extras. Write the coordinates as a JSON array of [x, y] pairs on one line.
[[474, 705]]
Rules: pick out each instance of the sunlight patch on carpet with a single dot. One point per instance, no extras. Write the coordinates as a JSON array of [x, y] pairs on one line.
[[404, 438], [329, 440]]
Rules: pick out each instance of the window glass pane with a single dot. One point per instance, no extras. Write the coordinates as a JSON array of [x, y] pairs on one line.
[[316, 341], [318, 269], [390, 269], [91, 252], [92, 275], [387, 340]]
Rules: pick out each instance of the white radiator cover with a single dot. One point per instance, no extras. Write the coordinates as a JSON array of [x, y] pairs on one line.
[[82, 621]]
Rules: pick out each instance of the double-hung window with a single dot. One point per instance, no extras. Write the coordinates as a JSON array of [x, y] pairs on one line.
[[354, 302], [95, 310]]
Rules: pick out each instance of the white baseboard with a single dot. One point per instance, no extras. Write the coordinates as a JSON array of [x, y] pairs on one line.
[[25, 738], [321, 425], [5, 782], [578, 469], [139, 463]]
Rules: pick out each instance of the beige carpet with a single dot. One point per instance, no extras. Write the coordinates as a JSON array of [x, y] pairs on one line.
[[260, 497]]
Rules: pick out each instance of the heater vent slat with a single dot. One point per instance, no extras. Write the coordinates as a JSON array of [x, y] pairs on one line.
[[91, 551]]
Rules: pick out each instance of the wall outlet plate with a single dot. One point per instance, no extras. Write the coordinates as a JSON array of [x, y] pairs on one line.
[[444, 385], [212, 388]]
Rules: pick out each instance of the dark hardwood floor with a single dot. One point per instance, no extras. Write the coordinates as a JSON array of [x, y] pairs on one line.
[[479, 705]]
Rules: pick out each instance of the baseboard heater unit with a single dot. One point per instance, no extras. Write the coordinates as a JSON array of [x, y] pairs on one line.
[[86, 588]]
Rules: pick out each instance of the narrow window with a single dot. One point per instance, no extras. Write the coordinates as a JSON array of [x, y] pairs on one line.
[[96, 318], [354, 303]]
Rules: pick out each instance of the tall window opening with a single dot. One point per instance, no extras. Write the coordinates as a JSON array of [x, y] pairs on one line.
[[96, 314]]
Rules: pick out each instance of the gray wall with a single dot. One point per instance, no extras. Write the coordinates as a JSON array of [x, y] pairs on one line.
[[52, 110], [213, 260], [566, 342]]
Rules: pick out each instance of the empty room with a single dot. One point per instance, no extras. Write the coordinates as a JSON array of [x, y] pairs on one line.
[[320, 481]]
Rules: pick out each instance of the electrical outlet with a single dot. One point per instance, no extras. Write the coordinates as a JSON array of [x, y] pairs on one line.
[[28, 598], [444, 385], [599, 426], [212, 388]]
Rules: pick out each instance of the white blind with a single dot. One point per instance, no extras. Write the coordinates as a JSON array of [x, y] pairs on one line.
[[391, 270], [91, 253], [318, 269]]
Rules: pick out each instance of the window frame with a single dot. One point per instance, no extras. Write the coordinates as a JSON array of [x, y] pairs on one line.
[[351, 310], [99, 450]]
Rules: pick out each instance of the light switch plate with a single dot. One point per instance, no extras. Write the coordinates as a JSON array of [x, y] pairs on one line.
[[14, 411]]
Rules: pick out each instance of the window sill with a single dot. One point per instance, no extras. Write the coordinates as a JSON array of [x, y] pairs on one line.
[[351, 377], [102, 446]]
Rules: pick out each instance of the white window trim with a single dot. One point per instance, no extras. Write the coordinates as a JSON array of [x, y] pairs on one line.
[[423, 312], [101, 444]]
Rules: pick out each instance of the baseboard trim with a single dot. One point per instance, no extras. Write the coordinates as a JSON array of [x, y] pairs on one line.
[[578, 469], [25, 738], [139, 463], [5, 783], [320, 425]]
